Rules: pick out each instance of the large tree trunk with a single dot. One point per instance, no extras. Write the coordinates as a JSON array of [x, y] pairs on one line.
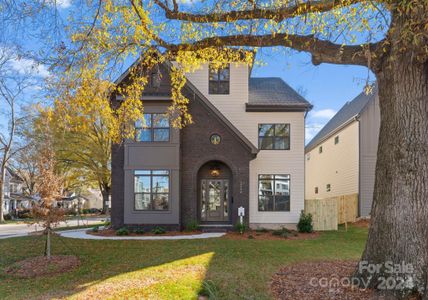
[[399, 219], [105, 192]]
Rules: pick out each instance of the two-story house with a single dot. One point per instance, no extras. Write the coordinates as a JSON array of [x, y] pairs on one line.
[[245, 148], [341, 158], [14, 196]]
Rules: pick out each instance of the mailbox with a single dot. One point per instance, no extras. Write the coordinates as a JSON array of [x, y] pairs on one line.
[[241, 211]]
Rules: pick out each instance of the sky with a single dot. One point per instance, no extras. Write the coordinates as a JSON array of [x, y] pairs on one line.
[[328, 87]]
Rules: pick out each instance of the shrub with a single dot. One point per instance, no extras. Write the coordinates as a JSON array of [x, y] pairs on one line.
[[24, 214], [139, 231], [305, 223], [70, 212], [283, 232], [158, 230], [7, 217], [86, 211], [262, 230], [122, 231], [192, 226], [95, 228], [240, 227], [251, 237]]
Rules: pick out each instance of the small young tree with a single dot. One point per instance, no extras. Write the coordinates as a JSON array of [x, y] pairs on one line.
[[49, 186]]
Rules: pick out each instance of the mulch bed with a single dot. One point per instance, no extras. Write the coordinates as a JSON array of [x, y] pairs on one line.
[[252, 234], [112, 232], [318, 281], [41, 266], [364, 223]]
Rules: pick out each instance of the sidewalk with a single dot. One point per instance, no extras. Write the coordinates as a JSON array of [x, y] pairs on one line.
[[81, 234]]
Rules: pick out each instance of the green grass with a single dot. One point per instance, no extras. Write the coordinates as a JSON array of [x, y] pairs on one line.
[[239, 269]]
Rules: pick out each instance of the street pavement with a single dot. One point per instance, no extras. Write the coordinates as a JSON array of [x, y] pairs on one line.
[[22, 229]]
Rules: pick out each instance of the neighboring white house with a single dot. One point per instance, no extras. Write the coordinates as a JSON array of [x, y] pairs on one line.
[[88, 199], [245, 148], [341, 158], [14, 196]]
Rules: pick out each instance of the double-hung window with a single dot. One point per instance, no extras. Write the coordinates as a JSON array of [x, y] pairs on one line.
[[274, 192], [151, 190], [274, 136], [153, 128], [219, 80]]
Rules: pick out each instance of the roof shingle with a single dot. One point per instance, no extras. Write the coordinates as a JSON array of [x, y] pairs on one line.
[[273, 91], [347, 112]]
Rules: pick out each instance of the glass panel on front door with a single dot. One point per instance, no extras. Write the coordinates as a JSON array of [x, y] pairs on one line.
[[214, 200]]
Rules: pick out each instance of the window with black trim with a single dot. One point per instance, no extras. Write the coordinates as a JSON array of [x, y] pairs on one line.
[[316, 190], [153, 128], [274, 192], [320, 150], [328, 187], [219, 80], [151, 190], [274, 136], [336, 140]]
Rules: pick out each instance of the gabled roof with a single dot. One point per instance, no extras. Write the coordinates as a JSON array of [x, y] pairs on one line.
[[273, 94], [348, 113], [245, 141], [13, 174], [242, 138]]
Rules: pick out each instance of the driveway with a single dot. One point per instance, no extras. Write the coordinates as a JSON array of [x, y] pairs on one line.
[[22, 229]]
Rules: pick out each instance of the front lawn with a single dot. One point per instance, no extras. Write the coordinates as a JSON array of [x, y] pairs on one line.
[[239, 269]]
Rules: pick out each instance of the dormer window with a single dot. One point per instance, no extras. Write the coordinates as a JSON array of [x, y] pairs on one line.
[[219, 80]]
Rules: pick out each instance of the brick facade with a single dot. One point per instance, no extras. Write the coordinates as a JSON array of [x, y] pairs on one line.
[[196, 150]]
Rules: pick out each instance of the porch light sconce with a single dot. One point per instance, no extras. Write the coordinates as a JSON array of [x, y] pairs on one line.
[[215, 171]]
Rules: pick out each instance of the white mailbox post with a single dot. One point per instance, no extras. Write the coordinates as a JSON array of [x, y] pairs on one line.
[[241, 214]]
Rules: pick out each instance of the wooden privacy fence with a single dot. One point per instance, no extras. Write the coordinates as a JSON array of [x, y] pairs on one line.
[[327, 213]]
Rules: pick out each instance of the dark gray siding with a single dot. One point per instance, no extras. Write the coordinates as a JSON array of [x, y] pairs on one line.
[[156, 156], [117, 184], [369, 134]]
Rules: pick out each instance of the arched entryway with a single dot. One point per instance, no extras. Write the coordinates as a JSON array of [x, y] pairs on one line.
[[215, 192]]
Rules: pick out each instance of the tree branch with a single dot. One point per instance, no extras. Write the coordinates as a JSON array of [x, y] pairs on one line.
[[277, 14], [322, 51]]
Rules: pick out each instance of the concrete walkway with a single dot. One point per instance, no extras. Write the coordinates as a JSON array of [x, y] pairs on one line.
[[81, 234]]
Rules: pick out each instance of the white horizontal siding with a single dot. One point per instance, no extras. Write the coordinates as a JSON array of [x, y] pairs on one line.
[[337, 165], [268, 161]]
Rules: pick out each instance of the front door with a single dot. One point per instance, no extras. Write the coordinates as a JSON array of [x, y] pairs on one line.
[[215, 200]]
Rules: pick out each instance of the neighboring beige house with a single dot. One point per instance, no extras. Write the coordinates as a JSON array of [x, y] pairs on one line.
[[341, 158]]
